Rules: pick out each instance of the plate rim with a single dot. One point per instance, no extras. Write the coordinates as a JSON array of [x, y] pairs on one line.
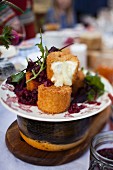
[[56, 119]]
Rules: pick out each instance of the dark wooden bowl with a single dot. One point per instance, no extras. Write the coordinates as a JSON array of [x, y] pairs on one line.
[[27, 153], [53, 136]]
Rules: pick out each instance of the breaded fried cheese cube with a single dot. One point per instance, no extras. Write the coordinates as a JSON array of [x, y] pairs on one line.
[[31, 85], [54, 99], [62, 68], [79, 81], [66, 51]]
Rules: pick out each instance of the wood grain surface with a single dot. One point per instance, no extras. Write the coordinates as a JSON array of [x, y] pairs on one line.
[[19, 148]]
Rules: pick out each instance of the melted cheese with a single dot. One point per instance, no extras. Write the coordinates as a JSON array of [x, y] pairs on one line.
[[63, 72]]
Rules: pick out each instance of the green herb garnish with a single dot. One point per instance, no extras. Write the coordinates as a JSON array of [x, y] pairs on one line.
[[16, 78], [6, 36], [41, 61], [97, 87]]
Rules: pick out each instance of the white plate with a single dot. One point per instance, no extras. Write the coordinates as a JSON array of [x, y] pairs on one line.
[[10, 52], [10, 101]]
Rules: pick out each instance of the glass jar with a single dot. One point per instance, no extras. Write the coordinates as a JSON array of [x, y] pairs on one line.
[[101, 152]]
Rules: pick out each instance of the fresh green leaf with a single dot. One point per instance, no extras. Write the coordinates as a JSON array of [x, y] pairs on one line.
[[95, 81], [16, 78], [6, 36], [91, 95], [97, 87]]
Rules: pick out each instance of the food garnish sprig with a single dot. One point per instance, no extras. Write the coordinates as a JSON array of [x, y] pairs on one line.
[[97, 87], [41, 61], [9, 37], [16, 78]]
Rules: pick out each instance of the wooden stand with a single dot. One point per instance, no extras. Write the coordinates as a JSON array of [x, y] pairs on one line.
[[19, 148]]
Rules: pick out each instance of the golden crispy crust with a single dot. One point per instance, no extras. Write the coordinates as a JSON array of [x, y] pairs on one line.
[[32, 84], [54, 99], [66, 51], [79, 82], [60, 56]]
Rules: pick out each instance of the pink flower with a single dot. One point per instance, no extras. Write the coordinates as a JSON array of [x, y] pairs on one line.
[[15, 37]]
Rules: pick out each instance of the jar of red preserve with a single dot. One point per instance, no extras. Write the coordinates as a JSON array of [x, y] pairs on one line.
[[101, 152]]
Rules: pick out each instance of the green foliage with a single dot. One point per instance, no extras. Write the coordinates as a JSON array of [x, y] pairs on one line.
[[97, 87], [16, 78], [6, 36], [41, 61]]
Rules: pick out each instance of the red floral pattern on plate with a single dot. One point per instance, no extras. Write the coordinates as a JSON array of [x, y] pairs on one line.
[[11, 100], [7, 87]]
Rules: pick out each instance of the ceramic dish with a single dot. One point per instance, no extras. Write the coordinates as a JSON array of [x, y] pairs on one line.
[[10, 101]]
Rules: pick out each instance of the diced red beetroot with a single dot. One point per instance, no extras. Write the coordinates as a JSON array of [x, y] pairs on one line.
[[94, 102], [48, 83], [27, 97], [82, 107], [31, 65], [53, 49], [75, 108]]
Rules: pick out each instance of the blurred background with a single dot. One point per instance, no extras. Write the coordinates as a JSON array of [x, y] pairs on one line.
[[83, 27]]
